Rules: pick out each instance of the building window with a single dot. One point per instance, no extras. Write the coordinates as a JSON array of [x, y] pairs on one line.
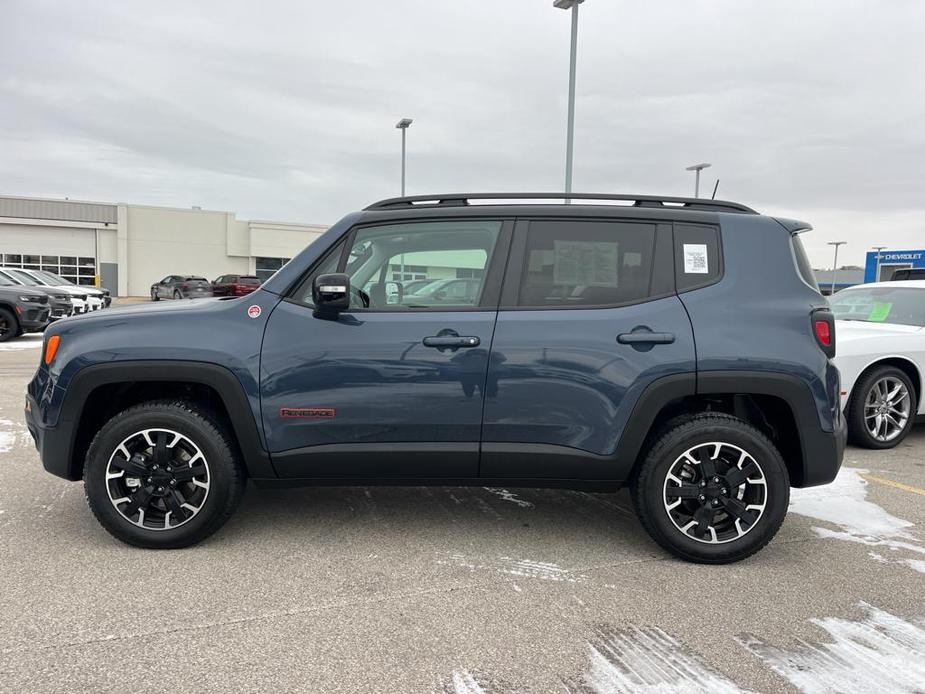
[[76, 270], [267, 267], [469, 273]]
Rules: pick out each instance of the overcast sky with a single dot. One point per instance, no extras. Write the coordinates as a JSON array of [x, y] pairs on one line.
[[286, 110]]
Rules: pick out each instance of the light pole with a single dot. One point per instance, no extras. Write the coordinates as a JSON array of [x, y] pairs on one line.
[[877, 273], [835, 263], [698, 168], [403, 126], [573, 56]]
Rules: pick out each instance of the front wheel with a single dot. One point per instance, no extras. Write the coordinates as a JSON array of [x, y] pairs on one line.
[[882, 408], [712, 489], [154, 295], [162, 475], [9, 326]]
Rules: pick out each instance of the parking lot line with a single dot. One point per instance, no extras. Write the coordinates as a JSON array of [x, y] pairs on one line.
[[893, 483]]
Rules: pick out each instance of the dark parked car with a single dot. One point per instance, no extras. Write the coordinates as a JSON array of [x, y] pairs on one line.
[[573, 366], [916, 273], [22, 310], [181, 287], [235, 285], [59, 302]]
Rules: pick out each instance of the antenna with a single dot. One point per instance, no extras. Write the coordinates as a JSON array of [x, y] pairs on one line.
[[713, 197]]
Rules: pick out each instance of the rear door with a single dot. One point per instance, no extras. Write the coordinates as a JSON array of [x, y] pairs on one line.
[[589, 317], [391, 388]]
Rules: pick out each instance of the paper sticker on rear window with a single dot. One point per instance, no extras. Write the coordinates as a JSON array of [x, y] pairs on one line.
[[589, 263], [695, 259], [880, 311]]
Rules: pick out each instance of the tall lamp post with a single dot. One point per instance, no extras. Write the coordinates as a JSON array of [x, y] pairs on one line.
[[403, 126], [877, 273], [835, 263], [573, 55], [698, 168]]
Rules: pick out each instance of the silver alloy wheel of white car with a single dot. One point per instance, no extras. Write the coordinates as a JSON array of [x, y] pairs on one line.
[[886, 409], [715, 492], [156, 476]]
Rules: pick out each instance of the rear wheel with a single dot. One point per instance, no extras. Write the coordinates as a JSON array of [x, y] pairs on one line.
[[176, 294], [162, 475], [712, 489], [9, 326], [882, 408]]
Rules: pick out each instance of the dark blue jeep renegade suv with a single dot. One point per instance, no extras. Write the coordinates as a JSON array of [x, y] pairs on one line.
[[677, 346]]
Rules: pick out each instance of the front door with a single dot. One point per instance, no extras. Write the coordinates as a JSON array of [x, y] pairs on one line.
[[393, 387], [589, 317]]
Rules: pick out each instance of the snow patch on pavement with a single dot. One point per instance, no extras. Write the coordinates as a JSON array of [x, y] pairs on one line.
[[650, 661], [523, 568], [509, 496], [880, 653], [27, 341], [844, 503], [8, 433], [463, 682]]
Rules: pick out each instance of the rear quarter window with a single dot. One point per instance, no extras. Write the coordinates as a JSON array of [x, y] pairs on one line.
[[698, 256]]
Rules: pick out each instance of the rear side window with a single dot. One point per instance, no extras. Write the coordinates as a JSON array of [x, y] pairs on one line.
[[802, 260], [698, 257], [586, 263], [248, 280]]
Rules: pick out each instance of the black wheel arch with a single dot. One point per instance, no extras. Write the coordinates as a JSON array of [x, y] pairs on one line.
[[780, 405], [97, 392]]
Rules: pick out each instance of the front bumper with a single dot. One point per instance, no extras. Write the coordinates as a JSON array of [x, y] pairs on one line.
[[52, 443], [32, 318]]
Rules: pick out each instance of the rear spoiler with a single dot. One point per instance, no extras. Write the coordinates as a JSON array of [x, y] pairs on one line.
[[794, 226]]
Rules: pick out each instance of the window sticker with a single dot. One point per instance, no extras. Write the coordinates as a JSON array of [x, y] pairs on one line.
[[695, 259], [588, 263], [880, 311]]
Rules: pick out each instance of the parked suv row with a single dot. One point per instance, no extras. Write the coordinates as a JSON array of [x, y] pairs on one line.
[[63, 298], [573, 364], [197, 287]]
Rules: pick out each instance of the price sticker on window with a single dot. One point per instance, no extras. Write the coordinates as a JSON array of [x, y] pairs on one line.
[[695, 259]]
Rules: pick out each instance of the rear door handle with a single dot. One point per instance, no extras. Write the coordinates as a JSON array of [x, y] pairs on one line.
[[645, 338], [440, 341]]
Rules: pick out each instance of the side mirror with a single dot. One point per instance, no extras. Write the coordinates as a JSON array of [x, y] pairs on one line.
[[394, 292], [331, 294]]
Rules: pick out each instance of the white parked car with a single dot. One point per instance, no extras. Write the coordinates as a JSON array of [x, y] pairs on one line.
[[78, 297], [880, 352], [91, 295]]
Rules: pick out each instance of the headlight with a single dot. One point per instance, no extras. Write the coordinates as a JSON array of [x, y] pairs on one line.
[[61, 297], [82, 297], [31, 299]]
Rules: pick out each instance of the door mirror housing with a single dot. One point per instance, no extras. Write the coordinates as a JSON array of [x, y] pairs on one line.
[[331, 294]]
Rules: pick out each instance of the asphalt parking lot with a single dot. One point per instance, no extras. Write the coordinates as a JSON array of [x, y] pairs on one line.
[[457, 590]]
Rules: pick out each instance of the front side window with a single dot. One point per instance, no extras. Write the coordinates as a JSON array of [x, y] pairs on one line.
[[903, 305], [429, 254], [586, 263]]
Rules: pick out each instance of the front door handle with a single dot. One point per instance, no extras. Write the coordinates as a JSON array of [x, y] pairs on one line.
[[642, 337], [451, 341]]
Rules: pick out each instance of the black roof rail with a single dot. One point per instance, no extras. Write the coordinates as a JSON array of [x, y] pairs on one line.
[[657, 201]]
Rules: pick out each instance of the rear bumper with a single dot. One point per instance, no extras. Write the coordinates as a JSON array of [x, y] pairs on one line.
[[823, 453]]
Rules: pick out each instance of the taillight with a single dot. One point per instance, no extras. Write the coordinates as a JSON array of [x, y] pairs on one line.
[[823, 333], [823, 324]]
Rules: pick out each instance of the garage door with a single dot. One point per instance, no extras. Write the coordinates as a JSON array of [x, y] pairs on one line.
[[68, 252]]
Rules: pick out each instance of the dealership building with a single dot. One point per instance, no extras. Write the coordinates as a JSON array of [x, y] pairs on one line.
[[130, 247], [881, 265]]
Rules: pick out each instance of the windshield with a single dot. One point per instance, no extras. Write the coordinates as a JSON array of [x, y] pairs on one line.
[[53, 278], [902, 305], [24, 278], [4, 282]]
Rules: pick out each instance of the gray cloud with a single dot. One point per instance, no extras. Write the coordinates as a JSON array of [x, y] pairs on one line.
[[286, 110]]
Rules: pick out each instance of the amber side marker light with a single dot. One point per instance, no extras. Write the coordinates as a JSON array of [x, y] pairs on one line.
[[51, 348]]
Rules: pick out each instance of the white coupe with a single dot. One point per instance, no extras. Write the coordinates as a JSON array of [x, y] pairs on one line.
[[880, 352]]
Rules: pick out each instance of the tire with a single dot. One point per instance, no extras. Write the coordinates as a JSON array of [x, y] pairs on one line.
[[207, 508], [9, 326], [154, 295], [760, 507], [176, 294], [894, 427]]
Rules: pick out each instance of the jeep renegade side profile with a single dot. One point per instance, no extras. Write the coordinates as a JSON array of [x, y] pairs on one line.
[[676, 346]]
